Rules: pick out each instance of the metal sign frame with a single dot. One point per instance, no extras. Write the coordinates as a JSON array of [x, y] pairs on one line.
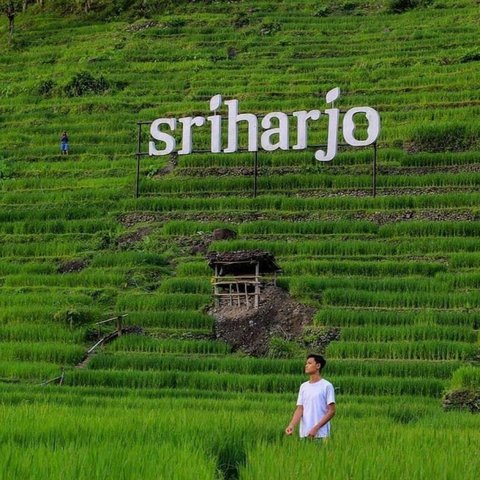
[[139, 154]]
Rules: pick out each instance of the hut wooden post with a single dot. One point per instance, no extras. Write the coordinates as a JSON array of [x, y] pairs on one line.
[[257, 284], [215, 288], [238, 294], [234, 278]]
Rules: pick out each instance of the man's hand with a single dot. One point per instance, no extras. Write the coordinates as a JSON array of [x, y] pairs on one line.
[[289, 430], [313, 432]]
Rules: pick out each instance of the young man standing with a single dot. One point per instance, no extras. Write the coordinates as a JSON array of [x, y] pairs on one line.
[[315, 404]]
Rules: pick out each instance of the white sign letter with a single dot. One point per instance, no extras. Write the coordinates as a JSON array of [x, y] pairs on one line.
[[281, 131], [188, 123], [333, 117], [233, 119], [302, 132], [162, 136], [349, 126], [216, 121]]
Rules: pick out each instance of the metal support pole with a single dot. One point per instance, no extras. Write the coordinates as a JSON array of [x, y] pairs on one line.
[[255, 174], [137, 178], [139, 146], [374, 173]]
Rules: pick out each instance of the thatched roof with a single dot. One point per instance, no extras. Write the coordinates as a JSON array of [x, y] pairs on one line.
[[242, 261]]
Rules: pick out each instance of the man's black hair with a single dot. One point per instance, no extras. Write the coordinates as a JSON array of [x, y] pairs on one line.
[[318, 359]]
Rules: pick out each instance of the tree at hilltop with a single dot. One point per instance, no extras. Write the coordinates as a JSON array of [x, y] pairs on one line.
[[10, 8]]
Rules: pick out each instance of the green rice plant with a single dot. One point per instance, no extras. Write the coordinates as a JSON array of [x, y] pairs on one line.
[[9, 268], [164, 301], [174, 379], [82, 462], [465, 260], [29, 371], [40, 314], [59, 226], [95, 278], [378, 317], [430, 229], [404, 448], [367, 268], [315, 286], [462, 280], [435, 159], [186, 285], [45, 332], [263, 366], [467, 377], [186, 363], [427, 387], [188, 319], [386, 368], [129, 259], [432, 179], [292, 204], [44, 249], [408, 333], [37, 268], [43, 296], [139, 343], [42, 352], [355, 248], [365, 298], [443, 137], [420, 350], [306, 228], [305, 247], [193, 269], [291, 182], [182, 227]]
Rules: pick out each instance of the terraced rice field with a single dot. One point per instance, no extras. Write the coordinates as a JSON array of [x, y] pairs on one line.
[[398, 274]]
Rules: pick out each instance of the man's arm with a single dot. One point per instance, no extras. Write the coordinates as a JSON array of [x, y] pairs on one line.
[[325, 419], [297, 415]]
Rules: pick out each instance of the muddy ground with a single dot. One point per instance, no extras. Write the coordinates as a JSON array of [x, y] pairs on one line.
[[250, 330]]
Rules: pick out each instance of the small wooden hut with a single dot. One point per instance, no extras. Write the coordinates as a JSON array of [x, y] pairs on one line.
[[240, 276]]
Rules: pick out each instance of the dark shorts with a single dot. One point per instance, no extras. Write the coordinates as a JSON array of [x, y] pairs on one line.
[[64, 147]]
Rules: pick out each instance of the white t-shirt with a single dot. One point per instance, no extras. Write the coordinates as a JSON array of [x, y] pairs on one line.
[[315, 397]]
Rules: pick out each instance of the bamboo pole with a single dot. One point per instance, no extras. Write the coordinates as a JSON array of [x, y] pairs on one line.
[[238, 294]]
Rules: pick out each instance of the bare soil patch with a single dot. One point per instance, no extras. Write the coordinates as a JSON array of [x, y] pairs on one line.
[[250, 330], [72, 266], [130, 238]]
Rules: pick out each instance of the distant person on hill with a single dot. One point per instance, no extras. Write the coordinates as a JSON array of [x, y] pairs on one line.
[[64, 143], [315, 403]]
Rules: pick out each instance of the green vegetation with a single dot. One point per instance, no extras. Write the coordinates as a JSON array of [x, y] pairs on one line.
[[397, 275]]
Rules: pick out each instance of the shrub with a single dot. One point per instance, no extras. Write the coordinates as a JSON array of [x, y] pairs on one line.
[[45, 89], [73, 317], [281, 348], [84, 83], [472, 56], [399, 6], [317, 338], [323, 11], [5, 170], [442, 138]]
